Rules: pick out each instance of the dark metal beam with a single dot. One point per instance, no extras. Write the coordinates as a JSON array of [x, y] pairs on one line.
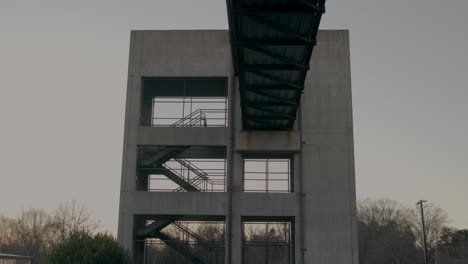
[[268, 104], [267, 88], [277, 99], [279, 57], [261, 107], [274, 67], [276, 79], [265, 124], [263, 117], [277, 27], [318, 7], [273, 42], [307, 9]]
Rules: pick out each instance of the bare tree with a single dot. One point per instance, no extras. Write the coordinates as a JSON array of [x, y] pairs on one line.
[[4, 230], [7, 242], [435, 219], [381, 212], [34, 232], [385, 235], [71, 218]]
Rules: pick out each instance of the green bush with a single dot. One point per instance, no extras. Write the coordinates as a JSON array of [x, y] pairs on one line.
[[88, 249]]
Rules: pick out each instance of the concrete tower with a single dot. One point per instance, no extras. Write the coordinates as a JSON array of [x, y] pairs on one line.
[[198, 187]]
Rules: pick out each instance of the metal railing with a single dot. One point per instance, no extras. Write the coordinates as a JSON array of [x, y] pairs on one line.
[[203, 118], [185, 112], [210, 178], [197, 182], [187, 242]]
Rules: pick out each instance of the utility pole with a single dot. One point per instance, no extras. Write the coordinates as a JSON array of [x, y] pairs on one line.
[[420, 203]]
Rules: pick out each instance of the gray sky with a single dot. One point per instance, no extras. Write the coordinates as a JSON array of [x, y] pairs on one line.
[[63, 71]]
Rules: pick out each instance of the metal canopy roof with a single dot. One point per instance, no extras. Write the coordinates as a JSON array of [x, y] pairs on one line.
[[272, 42]]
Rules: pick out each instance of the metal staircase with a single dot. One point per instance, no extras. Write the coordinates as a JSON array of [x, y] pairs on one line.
[[176, 177], [158, 157], [180, 247], [201, 181], [152, 229], [191, 254], [155, 161], [206, 247]]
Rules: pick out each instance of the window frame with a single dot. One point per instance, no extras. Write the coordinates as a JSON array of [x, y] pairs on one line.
[[267, 158]]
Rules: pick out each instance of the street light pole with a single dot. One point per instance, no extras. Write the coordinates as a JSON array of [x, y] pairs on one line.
[[420, 203]]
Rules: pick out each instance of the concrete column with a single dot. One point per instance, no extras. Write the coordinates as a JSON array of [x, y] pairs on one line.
[[236, 245]]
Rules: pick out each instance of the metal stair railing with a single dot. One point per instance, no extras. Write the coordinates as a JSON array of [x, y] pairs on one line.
[[201, 179], [199, 254], [203, 254], [192, 167], [167, 153], [180, 247], [187, 231], [206, 247], [196, 182], [182, 177], [191, 119], [200, 118]]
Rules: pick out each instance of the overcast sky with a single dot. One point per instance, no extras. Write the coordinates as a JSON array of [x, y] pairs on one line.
[[63, 71]]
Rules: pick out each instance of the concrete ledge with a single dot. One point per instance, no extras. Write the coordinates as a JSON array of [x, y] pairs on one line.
[[177, 203], [268, 141], [267, 204], [196, 136]]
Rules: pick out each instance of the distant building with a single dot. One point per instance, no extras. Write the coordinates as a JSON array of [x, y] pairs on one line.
[[14, 259]]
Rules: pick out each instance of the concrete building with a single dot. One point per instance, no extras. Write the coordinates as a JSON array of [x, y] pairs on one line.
[[207, 170], [238, 145]]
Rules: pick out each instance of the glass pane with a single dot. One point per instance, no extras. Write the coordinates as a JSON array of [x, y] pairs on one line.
[[278, 176], [255, 176], [278, 165], [278, 254], [254, 166], [254, 186], [167, 110], [255, 254], [278, 186]]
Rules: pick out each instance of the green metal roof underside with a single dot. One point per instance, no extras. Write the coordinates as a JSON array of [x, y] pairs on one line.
[[272, 42]]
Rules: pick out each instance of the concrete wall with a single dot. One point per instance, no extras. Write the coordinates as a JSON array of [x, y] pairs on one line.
[[175, 53], [328, 154], [323, 204]]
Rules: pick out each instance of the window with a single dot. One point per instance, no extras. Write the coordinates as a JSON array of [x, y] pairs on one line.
[[184, 102], [267, 241], [181, 169], [267, 175], [174, 239]]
